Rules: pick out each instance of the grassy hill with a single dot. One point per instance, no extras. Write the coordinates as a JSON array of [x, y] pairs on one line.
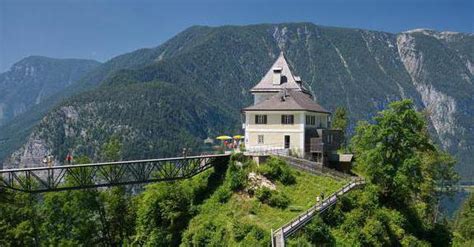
[[235, 217], [242, 212]]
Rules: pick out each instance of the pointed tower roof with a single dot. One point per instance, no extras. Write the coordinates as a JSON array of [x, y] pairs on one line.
[[290, 81]]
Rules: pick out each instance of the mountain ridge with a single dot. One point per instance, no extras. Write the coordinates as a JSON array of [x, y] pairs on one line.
[[34, 78], [359, 69]]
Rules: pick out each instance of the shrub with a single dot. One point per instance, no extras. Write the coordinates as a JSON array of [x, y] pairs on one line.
[[247, 233], [223, 194], [272, 198], [263, 194], [239, 157], [286, 176], [255, 207], [237, 177], [271, 169], [318, 232], [209, 232], [277, 169], [279, 200]]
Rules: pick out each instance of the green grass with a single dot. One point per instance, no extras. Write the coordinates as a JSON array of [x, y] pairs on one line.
[[241, 207]]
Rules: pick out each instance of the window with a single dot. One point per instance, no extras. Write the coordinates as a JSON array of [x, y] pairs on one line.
[[260, 139], [329, 138], [260, 119], [287, 119], [310, 120], [320, 121]]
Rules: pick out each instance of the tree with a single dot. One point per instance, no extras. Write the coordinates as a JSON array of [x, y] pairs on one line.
[[464, 223], [163, 212], [318, 232], [19, 219], [393, 153], [112, 150], [406, 171], [73, 218], [340, 121], [119, 207]]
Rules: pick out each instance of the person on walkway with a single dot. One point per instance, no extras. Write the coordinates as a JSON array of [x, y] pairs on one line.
[[318, 199], [50, 161], [69, 159], [45, 160], [322, 195]]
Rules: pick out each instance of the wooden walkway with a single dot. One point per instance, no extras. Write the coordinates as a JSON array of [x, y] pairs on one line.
[[278, 236]]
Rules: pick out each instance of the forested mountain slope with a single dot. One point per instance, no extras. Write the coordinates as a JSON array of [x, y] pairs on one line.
[[31, 80], [358, 69]]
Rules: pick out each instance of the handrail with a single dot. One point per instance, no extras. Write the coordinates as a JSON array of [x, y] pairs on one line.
[[44, 179], [112, 163], [300, 220], [317, 167]]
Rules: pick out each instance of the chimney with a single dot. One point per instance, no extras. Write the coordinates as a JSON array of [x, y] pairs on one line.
[[277, 75], [298, 80], [284, 95]]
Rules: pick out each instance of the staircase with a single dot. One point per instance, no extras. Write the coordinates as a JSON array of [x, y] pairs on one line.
[[278, 236]]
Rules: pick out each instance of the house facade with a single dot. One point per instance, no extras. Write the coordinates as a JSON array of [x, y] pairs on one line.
[[284, 115]]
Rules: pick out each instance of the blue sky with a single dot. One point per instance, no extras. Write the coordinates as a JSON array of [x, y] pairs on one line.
[[102, 29]]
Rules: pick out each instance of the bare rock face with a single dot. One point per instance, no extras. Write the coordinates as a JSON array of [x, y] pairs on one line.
[[440, 106], [29, 155], [257, 181], [280, 36], [70, 116], [36, 148]]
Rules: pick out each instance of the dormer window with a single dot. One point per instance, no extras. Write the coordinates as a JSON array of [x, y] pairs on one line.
[[298, 80], [277, 75]]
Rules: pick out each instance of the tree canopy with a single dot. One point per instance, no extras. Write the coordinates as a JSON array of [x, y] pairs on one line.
[[405, 173]]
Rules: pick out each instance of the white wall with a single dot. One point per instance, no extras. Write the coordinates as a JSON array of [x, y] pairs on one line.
[[274, 132]]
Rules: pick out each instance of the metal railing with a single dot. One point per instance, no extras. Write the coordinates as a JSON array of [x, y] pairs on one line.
[[314, 167], [278, 236], [316, 147], [68, 177], [267, 149], [299, 163]]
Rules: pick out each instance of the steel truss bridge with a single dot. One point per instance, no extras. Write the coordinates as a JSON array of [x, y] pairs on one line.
[[70, 177]]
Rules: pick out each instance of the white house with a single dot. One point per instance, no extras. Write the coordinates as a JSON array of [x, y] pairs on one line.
[[285, 116]]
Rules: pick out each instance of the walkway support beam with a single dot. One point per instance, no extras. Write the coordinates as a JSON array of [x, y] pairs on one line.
[[70, 177]]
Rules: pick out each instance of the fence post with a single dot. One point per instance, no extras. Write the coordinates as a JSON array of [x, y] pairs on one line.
[[273, 240]]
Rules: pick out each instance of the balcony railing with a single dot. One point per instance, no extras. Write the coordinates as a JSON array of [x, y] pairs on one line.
[[316, 145]]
